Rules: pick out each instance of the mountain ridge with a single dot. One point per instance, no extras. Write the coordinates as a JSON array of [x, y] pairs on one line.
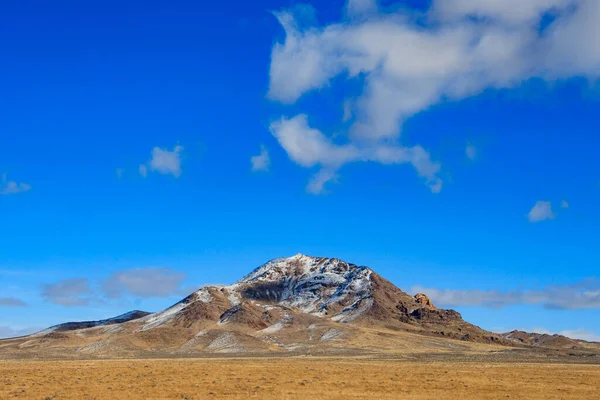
[[300, 304], [74, 325]]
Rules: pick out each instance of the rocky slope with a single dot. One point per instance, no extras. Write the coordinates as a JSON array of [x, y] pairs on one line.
[[542, 339], [301, 304]]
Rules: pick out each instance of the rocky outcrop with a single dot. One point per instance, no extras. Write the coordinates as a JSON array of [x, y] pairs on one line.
[[424, 301]]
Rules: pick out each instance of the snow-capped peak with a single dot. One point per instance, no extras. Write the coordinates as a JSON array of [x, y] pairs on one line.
[[326, 287], [298, 266], [311, 284]]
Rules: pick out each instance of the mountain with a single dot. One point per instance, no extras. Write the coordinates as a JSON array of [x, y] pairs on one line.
[[301, 304], [542, 339], [315, 287]]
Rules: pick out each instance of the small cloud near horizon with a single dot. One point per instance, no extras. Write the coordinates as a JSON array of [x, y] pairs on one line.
[[584, 294], [140, 283], [11, 302]]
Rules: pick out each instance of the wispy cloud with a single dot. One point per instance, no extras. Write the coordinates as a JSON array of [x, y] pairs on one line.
[[144, 283], [11, 332], [404, 62], [11, 302], [564, 204], [541, 211], [75, 292], [261, 162], [143, 170], [581, 334], [12, 187], [141, 283], [309, 147], [316, 184], [358, 8], [471, 152], [581, 295]]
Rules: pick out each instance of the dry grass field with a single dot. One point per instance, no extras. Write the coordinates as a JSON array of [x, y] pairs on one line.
[[295, 378]]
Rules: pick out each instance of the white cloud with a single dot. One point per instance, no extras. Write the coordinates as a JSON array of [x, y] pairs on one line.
[[436, 186], [12, 187], [471, 152], [347, 113], [505, 11], [358, 8], [316, 184], [166, 162], [581, 295], [541, 211], [564, 204], [309, 147], [120, 172], [144, 283], [407, 62], [569, 47], [261, 162]]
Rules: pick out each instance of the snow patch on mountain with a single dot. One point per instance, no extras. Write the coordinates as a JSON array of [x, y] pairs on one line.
[[285, 321], [158, 319], [313, 284], [332, 334], [203, 295], [354, 311], [233, 295]]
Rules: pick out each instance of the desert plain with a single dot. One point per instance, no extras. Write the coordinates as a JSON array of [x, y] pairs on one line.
[[297, 378]]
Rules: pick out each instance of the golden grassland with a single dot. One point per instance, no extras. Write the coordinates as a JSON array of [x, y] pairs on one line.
[[295, 378]]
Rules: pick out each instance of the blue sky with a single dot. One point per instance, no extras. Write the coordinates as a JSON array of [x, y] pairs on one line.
[[149, 148]]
